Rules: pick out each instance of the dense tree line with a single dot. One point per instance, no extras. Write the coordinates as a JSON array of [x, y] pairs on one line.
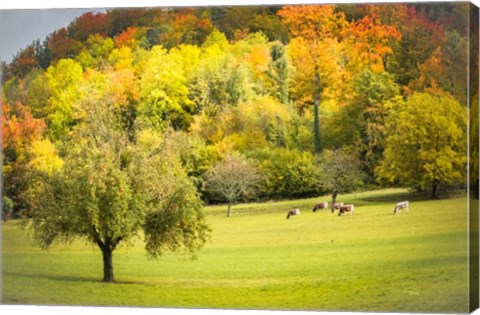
[[293, 91]]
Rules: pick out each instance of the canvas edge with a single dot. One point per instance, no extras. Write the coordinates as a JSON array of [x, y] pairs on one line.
[[473, 152]]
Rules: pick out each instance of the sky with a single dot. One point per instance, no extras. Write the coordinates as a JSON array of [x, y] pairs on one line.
[[19, 28]]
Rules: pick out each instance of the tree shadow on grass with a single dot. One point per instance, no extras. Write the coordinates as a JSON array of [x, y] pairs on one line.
[[71, 278], [395, 197], [68, 278], [398, 196]]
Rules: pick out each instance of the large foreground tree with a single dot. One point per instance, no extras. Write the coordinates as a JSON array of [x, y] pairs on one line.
[[426, 142], [111, 186]]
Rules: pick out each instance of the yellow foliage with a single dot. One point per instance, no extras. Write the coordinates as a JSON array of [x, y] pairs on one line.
[[121, 58], [45, 158]]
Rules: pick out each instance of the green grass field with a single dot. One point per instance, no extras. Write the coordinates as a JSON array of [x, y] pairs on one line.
[[256, 259]]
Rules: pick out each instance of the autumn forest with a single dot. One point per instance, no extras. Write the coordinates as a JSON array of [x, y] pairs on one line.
[[300, 100]]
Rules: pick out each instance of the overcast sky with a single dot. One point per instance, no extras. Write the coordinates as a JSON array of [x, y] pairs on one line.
[[18, 28]]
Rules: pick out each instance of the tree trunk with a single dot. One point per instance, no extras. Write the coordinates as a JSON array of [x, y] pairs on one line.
[[107, 247], [435, 189], [107, 265], [316, 119], [228, 209], [334, 199]]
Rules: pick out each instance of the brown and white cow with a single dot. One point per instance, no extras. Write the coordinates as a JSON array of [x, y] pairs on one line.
[[336, 206], [401, 206], [320, 206], [346, 208], [294, 211]]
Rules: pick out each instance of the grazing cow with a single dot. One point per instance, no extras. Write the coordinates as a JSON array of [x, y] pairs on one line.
[[294, 211], [336, 206], [346, 208], [320, 206], [401, 206]]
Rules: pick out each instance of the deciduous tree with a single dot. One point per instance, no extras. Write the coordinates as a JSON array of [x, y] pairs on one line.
[[369, 42], [233, 178], [426, 142], [163, 92], [340, 172], [88, 24], [19, 131], [64, 81], [313, 24], [109, 187]]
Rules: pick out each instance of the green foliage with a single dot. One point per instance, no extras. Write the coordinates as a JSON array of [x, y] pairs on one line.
[[279, 71], [7, 208], [38, 94], [455, 51], [164, 94], [219, 81], [172, 215], [96, 52], [290, 173], [197, 157], [426, 142], [64, 81], [372, 91], [257, 123], [110, 187], [216, 38], [340, 171]]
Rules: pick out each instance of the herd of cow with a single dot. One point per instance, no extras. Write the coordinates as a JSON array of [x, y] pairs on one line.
[[343, 209]]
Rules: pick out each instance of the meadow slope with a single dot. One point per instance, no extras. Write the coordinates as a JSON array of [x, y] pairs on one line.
[[256, 259]]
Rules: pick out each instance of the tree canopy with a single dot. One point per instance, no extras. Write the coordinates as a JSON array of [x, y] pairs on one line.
[[106, 188], [426, 142]]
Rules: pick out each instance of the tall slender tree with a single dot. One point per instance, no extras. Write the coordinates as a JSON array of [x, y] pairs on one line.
[[314, 23]]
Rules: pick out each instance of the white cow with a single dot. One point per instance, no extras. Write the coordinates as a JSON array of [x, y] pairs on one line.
[[401, 206], [294, 211], [320, 206], [336, 206], [346, 208]]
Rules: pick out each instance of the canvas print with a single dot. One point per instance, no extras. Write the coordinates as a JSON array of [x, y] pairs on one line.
[[308, 157]]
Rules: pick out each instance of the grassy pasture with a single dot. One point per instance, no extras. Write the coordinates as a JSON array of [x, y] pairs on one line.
[[256, 259]]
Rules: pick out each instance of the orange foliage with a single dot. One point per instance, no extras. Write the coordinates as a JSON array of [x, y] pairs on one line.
[[259, 59], [313, 22], [126, 38], [431, 72], [19, 126], [123, 87], [370, 40], [188, 28]]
